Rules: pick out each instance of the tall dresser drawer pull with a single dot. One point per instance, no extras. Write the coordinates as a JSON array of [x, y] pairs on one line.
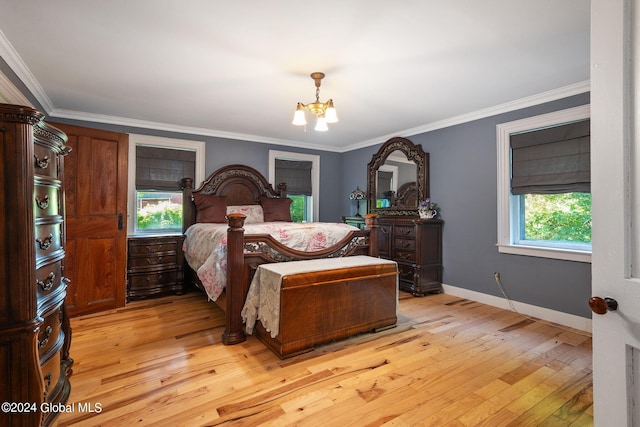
[[153, 261], [48, 282], [45, 340], [46, 242], [44, 203], [42, 163], [154, 280]]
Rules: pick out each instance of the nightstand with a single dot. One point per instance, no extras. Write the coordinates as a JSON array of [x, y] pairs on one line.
[[356, 221], [155, 266]]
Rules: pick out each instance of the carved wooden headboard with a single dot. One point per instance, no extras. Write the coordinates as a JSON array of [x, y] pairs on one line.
[[242, 185]]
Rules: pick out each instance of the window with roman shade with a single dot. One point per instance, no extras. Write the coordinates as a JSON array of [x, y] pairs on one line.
[[552, 160], [296, 174], [162, 169]]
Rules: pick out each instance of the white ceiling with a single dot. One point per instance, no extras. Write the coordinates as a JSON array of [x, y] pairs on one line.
[[237, 69]]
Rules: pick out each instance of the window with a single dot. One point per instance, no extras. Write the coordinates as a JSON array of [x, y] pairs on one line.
[[301, 172], [156, 168], [544, 200]]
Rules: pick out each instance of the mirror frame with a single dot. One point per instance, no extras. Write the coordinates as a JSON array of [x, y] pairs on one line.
[[414, 153]]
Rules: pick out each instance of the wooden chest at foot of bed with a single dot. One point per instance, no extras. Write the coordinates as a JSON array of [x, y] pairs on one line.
[[322, 306]]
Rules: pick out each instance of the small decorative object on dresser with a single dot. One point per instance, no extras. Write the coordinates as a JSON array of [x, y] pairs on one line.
[[35, 332], [155, 266], [428, 209]]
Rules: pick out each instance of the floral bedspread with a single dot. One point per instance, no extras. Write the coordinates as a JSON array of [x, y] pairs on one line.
[[205, 245]]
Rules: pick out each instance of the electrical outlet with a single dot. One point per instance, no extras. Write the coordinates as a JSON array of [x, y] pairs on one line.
[[496, 276]]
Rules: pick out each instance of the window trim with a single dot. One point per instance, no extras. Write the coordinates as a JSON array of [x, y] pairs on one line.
[[315, 174], [507, 211], [156, 141]]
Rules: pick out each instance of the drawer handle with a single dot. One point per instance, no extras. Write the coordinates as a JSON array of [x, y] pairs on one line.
[[405, 256], [48, 282], [384, 230], [154, 281], [153, 261], [45, 340], [408, 232], [42, 163], [154, 248], [44, 203], [406, 244], [46, 242]]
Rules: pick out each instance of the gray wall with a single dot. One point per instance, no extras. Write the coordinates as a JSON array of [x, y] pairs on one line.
[[463, 181]]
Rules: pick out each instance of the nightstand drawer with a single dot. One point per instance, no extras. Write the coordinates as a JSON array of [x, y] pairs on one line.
[[152, 247], [152, 260], [152, 280]]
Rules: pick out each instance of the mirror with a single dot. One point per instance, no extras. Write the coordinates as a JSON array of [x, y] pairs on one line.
[[397, 178]]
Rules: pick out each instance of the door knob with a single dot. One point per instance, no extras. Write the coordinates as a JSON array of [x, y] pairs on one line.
[[601, 306]]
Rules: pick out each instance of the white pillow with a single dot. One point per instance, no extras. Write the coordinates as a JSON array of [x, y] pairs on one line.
[[254, 213]]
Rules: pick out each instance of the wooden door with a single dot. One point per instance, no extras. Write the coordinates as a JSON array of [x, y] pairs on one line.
[[615, 184], [96, 207]]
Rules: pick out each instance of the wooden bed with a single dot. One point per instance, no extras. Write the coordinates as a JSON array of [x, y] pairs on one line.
[[243, 185]]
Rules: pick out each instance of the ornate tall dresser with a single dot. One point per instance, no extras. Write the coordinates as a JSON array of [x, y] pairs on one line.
[[35, 334]]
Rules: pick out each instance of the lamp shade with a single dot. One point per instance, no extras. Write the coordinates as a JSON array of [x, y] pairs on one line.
[[321, 124], [357, 194], [298, 116]]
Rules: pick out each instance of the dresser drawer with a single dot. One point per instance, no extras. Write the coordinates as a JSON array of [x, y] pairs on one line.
[[404, 244], [406, 256], [49, 331], [405, 272], [45, 161], [46, 200], [153, 247], [405, 231], [47, 239], [48, 279]]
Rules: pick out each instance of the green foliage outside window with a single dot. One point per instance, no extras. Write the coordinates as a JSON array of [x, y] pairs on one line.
[[562, 217], [297, 208], [160, 216]]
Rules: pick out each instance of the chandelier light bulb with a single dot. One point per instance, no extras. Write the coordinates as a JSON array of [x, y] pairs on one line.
[[298, 116]]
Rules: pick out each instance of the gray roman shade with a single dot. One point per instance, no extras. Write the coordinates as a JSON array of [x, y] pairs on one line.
[[296, 174], [552, 160], [162, 169]]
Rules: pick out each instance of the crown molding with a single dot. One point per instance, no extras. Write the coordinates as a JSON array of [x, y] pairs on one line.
[[17, 65], [530, 101]]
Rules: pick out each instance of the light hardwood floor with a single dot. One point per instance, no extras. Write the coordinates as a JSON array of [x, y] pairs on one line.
[[449, 362]]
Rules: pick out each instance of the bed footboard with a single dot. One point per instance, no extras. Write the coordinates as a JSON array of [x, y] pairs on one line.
[[245, 253]]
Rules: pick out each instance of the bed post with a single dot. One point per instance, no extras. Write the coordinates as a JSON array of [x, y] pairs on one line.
[[371, 224], [236, 289], [188, 211], [282, 190]]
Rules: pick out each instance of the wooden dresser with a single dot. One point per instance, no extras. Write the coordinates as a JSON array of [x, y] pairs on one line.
[[35, 334], [416, 245], [155, 266]]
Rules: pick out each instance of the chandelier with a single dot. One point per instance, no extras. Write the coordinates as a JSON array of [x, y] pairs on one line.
[[324, 111]]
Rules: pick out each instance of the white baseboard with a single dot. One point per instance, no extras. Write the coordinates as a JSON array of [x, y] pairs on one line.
[[570, 320]]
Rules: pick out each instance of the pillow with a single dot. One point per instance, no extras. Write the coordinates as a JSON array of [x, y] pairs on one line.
[[253, 213], [210, 208], [278, 209]]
